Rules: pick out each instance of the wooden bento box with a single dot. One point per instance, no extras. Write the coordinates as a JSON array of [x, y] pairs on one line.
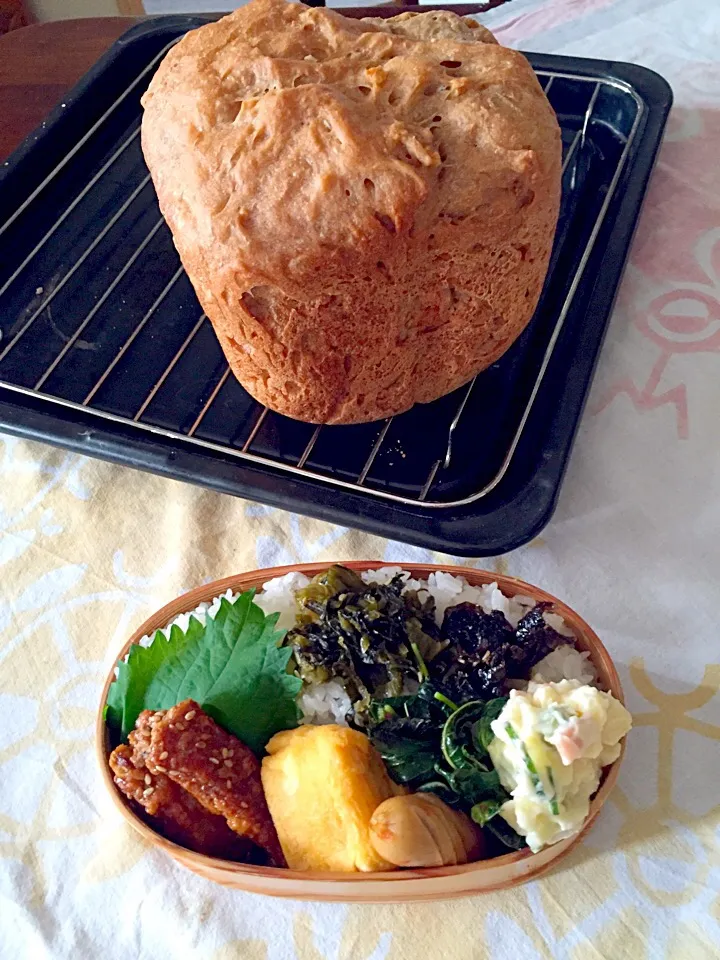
[[383, 887]]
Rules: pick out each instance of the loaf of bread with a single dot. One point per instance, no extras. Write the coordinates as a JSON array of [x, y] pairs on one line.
[[365, 208]]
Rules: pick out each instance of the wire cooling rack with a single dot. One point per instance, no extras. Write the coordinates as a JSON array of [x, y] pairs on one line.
[[98, 319]]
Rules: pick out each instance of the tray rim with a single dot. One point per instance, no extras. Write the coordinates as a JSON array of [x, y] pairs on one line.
[[547, 478], [299, 469]]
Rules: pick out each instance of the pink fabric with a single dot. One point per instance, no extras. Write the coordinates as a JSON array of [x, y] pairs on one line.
[[521, 29], [670, 300], [677, 248]]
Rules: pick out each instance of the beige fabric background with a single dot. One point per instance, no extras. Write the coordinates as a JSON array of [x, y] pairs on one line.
[[87, 550]]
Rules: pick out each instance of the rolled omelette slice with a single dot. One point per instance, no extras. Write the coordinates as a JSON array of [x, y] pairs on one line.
[[322, 785]]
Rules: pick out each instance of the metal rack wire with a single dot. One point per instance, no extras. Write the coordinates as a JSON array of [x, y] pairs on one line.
[[577, 131]]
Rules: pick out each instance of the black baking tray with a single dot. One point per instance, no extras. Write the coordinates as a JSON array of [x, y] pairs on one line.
[[104, 349]]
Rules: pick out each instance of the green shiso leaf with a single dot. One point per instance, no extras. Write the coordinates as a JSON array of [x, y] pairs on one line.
[[233, 666]]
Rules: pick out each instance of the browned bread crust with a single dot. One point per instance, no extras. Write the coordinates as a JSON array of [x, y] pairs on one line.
[[365, 208]]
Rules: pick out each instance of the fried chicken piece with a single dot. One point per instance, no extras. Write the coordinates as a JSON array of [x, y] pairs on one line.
[[176, 814], [139, 738], [214, 766]]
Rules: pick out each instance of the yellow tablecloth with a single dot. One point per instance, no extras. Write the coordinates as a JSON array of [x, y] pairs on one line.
[[87, 550]]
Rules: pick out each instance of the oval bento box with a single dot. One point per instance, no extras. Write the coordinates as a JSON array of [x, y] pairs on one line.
[[401, 885]]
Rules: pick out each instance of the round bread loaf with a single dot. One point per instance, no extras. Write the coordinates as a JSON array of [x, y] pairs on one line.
[[365, 208]]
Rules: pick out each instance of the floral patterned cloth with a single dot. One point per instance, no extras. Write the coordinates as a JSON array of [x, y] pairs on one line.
[[87, 550]]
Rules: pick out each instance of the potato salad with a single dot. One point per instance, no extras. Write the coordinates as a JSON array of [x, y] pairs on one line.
[[550, 744]]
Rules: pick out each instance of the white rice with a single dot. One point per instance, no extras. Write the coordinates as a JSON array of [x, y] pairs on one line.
[[278, 596], [564, 663], [324, 703], [201, 613], [329, 702], [555, 621]]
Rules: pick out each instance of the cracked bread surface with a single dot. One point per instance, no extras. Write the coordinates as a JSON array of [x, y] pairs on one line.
[[365, 209]]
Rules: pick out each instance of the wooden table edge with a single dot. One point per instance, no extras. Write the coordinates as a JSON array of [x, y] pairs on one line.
[[41, 62]]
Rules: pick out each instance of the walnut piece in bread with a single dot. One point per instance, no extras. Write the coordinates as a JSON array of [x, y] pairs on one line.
[[365, 208]]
